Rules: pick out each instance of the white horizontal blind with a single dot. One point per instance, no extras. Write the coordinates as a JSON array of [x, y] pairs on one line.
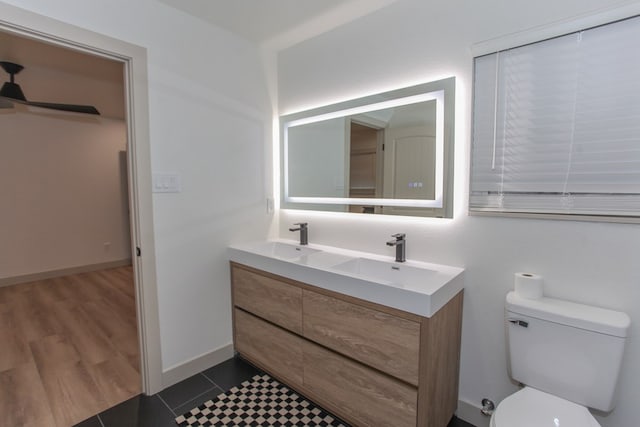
[[557, 125]]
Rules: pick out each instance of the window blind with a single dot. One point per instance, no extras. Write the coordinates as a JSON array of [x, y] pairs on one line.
[[556, 125]]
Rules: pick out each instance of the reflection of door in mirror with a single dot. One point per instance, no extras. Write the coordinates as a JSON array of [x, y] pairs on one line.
[[407, 177], [392, 155], [365, 168], [409, 162]]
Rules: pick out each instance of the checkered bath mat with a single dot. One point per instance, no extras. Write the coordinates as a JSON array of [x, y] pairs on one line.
[[260, 402]]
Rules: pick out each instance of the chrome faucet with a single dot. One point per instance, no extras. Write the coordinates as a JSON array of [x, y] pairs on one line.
[[400, 244], [304, 232]]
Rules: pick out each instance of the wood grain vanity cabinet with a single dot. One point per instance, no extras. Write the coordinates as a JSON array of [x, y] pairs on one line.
[[369, 364], [269, 298], [381, 340]]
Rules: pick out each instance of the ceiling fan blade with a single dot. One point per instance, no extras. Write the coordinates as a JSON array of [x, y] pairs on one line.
[[13, 92], [85, 109]]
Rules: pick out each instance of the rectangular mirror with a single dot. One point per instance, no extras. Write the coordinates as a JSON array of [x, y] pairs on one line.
[[389, 153]]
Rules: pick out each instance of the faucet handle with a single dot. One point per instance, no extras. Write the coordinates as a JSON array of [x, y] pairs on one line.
[[399, 236], [304, 232]]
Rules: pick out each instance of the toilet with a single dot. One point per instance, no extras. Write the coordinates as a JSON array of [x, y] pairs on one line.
[[568, 358]]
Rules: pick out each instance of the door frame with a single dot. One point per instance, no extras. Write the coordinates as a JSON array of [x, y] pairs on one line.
[[31, 25]]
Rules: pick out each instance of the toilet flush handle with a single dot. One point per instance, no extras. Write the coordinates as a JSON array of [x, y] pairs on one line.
[[519, 322]]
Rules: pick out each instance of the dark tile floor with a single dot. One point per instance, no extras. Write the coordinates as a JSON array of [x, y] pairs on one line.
[[161, 409]]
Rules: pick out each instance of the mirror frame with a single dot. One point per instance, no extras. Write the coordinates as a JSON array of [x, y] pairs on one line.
[[442, 91]]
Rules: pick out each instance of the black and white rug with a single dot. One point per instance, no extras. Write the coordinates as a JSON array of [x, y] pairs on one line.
[[260, 402]]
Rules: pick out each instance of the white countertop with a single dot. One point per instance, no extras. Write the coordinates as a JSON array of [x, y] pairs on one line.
[[416, 287]]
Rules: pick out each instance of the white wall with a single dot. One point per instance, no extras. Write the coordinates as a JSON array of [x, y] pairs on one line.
[[64, 192], [210, 121], [414, 41]]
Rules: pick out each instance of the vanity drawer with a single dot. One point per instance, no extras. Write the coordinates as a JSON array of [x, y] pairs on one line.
[[381, 340], [269, 347], [359, 394], [269, 298]]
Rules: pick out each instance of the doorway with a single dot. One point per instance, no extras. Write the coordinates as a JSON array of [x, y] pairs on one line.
[[18, 22], [366, 159], [68, 316]]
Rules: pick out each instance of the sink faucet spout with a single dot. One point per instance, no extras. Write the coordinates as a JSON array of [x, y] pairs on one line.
[[304, 232], [400, 244]]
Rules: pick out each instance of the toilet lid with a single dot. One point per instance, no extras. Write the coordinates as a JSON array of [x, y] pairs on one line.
[[534, 408]]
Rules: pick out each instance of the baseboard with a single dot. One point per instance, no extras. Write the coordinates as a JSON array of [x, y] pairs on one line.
[[177, 373], [471, 413], [15, 280]]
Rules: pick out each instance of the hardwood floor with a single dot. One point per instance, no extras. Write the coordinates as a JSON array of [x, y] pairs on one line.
[[68, 348]]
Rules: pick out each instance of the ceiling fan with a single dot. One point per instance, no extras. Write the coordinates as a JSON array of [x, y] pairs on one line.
[[11, 92]]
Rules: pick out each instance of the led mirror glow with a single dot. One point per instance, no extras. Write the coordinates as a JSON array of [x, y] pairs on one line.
[[408, 162]]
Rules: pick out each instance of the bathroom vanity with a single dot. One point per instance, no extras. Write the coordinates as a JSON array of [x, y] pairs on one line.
[[316, 319]]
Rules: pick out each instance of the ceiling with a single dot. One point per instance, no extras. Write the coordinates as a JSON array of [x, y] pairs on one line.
[[255, 20], [281, 23]]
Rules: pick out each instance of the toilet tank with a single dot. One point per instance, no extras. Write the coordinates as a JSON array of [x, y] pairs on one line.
[[570, 350]]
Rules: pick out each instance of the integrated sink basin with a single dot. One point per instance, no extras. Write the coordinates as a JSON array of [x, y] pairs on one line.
[[283, 250], [416, 287], [394, 273]]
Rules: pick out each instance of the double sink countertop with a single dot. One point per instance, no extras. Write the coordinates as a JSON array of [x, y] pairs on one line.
[[416, 287]]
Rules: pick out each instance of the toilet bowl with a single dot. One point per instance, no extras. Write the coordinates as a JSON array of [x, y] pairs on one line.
[[533, 408]]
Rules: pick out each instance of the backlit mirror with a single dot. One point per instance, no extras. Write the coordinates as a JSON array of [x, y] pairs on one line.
[[389, 153]]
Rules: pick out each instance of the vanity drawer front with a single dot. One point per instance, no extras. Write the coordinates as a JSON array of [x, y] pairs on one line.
[[360, 394], [271, 299], [381, 340], [272, 348]]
